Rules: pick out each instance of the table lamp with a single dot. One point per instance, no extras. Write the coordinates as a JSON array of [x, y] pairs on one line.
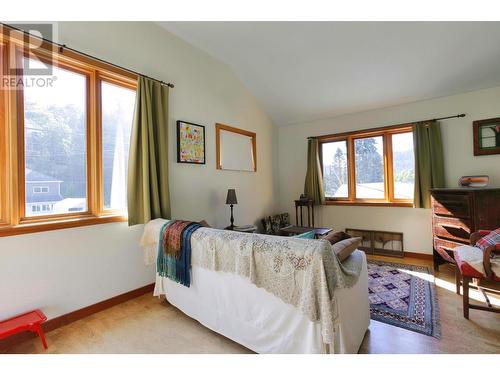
[[231, 200]]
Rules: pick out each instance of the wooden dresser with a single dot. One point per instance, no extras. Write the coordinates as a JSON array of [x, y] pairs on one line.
[[458, 212]]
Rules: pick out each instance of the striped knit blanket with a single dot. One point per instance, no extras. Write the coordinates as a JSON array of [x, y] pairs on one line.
[[174, 250]]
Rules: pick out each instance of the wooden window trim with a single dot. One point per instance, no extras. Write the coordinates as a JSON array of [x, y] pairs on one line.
[[43, 226], [4, 151], [13, 221], [371, 203], [349, 137]]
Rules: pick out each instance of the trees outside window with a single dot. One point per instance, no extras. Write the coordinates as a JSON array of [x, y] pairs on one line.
[[404, 165], [69, 153], [55, 141], [335, 176], [370, 167]]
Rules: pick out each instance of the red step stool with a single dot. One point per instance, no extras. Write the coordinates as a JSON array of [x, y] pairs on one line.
[[30, 321]]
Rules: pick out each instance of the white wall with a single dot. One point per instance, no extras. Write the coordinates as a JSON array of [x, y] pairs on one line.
[[61, 271], [458, 154]]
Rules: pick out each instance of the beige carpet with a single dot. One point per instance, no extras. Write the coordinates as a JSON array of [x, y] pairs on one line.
[[148, 325]]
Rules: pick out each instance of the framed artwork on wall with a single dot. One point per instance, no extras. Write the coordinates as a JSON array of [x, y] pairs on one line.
[[190, 143], [486, 136]]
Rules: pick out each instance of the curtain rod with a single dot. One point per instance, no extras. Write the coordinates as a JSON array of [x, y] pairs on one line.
[[407, 123], [62, 47]]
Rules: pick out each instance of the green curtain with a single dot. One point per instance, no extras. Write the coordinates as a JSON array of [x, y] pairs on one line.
[[313, 186], [148, 192], [429, 162]]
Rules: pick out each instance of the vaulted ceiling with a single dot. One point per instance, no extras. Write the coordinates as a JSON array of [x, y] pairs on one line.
[[301, 71]]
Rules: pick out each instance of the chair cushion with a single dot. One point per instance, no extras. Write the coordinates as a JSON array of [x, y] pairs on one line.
[[493, 238], [310, 235], [343, 249], [470, 262], [335, 237]]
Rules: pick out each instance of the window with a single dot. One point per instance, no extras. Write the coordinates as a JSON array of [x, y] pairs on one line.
[[403, 162], [369, 168], [69, 153], [117, 112], [55, 129], [40, 189], [374, 167], [335, 169]]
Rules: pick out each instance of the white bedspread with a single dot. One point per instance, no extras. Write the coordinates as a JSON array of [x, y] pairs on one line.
[[234, 307]]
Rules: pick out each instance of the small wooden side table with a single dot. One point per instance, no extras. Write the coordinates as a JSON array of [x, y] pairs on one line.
[[309, 203]]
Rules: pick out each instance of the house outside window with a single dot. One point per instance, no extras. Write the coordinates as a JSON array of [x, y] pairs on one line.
[[42, 192], [40, 189], [71, 149]]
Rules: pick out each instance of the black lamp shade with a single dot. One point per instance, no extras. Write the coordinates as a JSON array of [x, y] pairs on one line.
[[231, 197]]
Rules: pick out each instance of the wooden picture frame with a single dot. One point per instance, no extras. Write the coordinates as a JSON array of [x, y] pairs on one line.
[[253, 136], [485, 143], [190, 143]]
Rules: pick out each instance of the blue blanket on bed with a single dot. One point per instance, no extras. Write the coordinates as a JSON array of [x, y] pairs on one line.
[[178, 270]]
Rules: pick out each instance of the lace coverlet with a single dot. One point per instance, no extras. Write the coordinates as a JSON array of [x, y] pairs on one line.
[[303, 273]]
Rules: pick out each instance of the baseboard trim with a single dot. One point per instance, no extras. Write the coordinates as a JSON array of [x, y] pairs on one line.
[[73, 316], [410, 254]]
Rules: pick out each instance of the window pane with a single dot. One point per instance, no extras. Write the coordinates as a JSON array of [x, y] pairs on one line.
[[117, 115], [55, 145], [403, 159], [369, 159], [335, 169], [3, 147]]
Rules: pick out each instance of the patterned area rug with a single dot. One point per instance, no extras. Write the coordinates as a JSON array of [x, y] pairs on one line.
[[403, 295]]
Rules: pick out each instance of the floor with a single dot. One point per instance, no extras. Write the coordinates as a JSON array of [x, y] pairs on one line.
[[148, 325]]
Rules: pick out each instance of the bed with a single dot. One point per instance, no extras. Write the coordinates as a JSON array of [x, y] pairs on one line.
[[235, 307]]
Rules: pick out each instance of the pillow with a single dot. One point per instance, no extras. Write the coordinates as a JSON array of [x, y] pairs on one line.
[[204, 223], [343, 249], [266, 223], [493, 238], [273, 224], [310, 235], [335, 237], [285, 220]]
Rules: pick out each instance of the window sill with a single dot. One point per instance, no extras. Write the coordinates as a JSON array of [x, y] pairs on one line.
[[367, 203], [58, 224]]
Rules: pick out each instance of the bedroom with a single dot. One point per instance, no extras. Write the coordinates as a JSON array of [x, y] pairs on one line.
[[340, 112]]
